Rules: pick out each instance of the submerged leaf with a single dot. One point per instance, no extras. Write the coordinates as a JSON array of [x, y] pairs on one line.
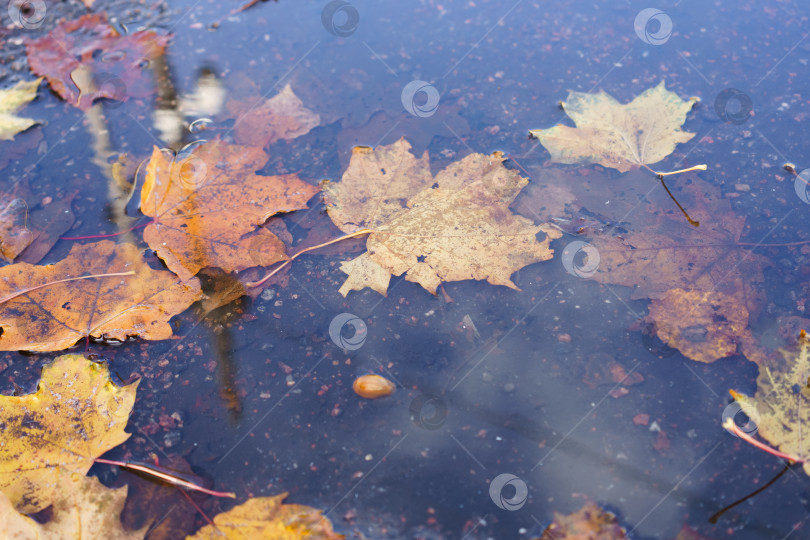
[[12, 100], [208, 207], [83, 509], [451, 227], [76, 415], [622, 137], [56, 316], [14, 234], [86, 59], [268, 517], [589, 523]]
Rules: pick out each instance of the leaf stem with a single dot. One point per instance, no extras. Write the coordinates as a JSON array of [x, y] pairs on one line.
[[305, 250], [732, 427], [695, 168], [165, 475], [29, 289]]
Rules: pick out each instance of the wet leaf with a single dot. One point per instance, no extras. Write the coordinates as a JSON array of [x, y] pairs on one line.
[[622, 137], [86, 59], [83, 510], [453, 227], [55, 317], [782, 400], [262, 122], [703, 325], [14, 234], [11, 101], [208, 207], [268, 517], [76, 414], [588, 523]]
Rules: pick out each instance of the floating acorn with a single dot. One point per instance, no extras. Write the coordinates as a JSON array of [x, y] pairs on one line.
[[373, 386]]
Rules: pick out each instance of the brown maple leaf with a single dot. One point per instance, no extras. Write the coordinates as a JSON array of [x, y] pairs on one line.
[[208, 207], [622, 137], [86, 59], [38, 315], [454, 226]]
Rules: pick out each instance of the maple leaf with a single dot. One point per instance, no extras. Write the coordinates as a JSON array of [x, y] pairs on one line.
[[12, 100], [705, 271], [83, 59], [780, 407], [76, 414], [589, 522], [268, 517], [56, 316], [281, 117], [209, 205], [453, 227], [622, 137], [14, 235], [82, 509]]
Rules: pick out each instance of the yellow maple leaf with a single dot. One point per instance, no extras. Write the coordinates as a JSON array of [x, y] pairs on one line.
[[268, 517], [622, 137], [83, 509], [451, 227], [12, 100], [780, 407], [76, 414]]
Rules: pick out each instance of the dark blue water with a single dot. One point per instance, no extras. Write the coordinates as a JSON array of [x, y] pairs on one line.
[[265, 395]]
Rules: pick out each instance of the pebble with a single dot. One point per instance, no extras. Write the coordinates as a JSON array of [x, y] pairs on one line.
[[268, 294]]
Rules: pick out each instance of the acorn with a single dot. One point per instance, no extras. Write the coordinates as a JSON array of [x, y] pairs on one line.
[[373, 386]]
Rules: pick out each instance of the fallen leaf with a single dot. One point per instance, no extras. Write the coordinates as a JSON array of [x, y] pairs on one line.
[[703, 325], [453, 227], [56, 316], [281, 117], [83, 509], [588, 523], [208, 207], [782, 400], [268, 517], [48, 224], [86, 59], [76, 414], [12, 100], [623, 137], [14, 234]]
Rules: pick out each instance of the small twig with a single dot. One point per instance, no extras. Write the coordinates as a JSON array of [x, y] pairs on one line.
[[166, 476]]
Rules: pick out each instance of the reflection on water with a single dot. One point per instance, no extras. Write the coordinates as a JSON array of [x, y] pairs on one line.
[[564, 385]]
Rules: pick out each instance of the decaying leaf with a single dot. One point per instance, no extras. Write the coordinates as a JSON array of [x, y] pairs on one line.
[[83, 509], [588, 523], [12, 100], [453, 227], [665, 259], [268, 517], [14, 234], [703, 325], [782, 401], [622, 137], [263, 122], [56, 316], [208, 207], [86, 59], [76, 414]]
